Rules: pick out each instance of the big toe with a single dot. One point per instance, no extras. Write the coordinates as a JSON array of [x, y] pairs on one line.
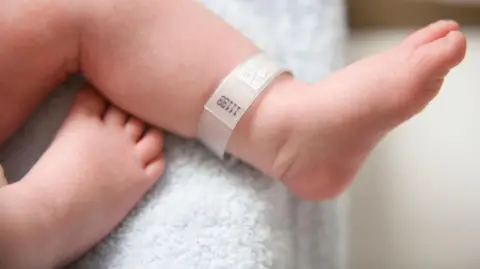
[[88, 103], [439, 56], [430, 33]]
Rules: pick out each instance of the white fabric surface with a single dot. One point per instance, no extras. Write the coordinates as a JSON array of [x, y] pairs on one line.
[[209, 214]]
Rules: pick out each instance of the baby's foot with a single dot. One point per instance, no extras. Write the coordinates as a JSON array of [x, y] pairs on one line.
[[98, 167], [336, 122]]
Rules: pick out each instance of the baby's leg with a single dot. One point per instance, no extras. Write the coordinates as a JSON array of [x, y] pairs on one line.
[[161, 60], [97, 167], [38, 49]]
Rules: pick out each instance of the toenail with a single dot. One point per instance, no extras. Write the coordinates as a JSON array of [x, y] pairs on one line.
[[449, 22], [453, 35]]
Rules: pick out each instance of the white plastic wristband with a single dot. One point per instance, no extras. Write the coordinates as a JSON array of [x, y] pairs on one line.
[[231, 100]]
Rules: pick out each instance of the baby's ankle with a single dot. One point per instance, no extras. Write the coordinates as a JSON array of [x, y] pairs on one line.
[[26, 236], [265, 127]]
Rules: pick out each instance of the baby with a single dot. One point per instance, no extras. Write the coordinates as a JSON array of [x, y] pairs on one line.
[[158, 62]]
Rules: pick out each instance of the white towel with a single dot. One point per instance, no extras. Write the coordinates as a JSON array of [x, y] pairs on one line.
[[205, 213]]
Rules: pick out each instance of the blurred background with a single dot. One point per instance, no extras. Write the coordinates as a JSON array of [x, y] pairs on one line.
[[416, 204]]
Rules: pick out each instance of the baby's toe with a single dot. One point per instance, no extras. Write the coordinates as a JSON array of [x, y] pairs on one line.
[[134, 128], [430, 33], [155, 168], [437, 57], [150, 146], [87, 103], [115, 117]]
